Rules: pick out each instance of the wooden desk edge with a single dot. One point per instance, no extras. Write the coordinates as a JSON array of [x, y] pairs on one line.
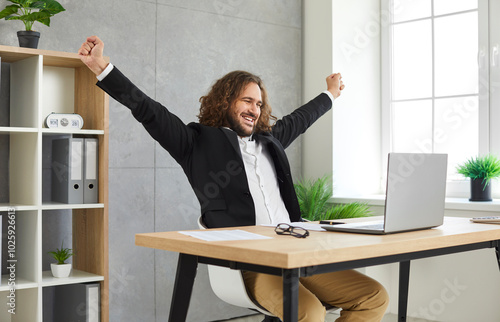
[[315, 250]]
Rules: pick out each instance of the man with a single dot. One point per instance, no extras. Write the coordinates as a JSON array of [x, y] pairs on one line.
[[235, 162]]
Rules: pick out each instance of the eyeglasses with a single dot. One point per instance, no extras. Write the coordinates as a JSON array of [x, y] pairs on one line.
[[286, 229]]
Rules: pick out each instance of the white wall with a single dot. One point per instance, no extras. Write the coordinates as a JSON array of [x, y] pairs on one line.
[[317, 65], [461, 287], [344, 36]]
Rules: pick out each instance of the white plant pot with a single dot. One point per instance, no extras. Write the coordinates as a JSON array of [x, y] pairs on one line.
[[60, 270]]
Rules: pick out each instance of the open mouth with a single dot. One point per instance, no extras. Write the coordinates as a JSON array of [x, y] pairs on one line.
[[248, 119]]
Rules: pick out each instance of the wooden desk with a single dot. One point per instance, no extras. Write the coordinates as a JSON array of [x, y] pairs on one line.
[[319, 253]]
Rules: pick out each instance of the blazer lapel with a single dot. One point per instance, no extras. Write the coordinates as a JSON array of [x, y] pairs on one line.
[[233, 139], [277, 153], [272, 143]]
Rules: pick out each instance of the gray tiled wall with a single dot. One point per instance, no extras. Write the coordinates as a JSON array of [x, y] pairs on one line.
[[174, 50]]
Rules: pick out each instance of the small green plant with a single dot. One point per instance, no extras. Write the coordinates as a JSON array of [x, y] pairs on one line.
[[30, 11], [348, 210], [484, 167], [313, 199], [61, 254]]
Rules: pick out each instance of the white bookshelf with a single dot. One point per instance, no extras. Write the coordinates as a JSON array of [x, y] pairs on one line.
[[42, 82]]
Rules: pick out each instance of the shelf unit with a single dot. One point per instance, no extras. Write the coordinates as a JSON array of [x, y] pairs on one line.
[[42, 82]]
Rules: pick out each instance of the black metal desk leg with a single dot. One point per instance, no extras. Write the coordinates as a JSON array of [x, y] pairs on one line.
[[183, 287], [404, 281], [291, 295]]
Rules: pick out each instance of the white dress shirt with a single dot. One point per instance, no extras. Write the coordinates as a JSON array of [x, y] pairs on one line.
[[263, 183]]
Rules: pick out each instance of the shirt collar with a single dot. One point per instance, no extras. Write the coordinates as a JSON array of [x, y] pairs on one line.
[[245, 138]]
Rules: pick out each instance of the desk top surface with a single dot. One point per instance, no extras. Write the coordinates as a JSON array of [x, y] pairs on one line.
[[322, 247]]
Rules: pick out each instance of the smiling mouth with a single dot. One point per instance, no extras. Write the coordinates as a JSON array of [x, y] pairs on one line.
[[249, 119]]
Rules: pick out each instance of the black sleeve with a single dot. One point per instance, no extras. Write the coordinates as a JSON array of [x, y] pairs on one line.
[[165, 127], [287, 129]]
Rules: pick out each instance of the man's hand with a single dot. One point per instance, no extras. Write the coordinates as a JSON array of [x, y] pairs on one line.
[[91, 54], [334, 84]]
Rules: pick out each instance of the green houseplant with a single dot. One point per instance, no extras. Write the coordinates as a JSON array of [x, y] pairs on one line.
[[29, 12], [480, 170], [61, 255], [313, 197]]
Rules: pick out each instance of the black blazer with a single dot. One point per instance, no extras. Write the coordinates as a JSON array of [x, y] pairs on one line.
[[211, 157]]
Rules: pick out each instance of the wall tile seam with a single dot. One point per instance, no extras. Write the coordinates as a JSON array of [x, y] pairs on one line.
[[237, 18], [155, 168]]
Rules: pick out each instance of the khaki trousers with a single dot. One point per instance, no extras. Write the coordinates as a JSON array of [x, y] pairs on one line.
[[361, 298]]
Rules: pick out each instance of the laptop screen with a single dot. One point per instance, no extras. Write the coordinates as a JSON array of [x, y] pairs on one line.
[[416, 190]]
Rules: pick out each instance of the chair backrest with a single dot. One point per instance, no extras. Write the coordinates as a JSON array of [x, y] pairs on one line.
[[228, 284]]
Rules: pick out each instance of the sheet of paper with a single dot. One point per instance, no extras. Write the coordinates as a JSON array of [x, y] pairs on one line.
[[221, 235], [305, 225]]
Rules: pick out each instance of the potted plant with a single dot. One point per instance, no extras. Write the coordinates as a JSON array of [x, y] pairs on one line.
[[30, 11], [480, 170], [61, 268], [314, 196]]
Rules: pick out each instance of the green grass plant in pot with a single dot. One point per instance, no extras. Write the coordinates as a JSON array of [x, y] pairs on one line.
[[61, 268], [29, 12], [480, 170], [314, 203]]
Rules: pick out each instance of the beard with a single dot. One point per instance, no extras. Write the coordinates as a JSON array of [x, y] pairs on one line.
[[238, 127]]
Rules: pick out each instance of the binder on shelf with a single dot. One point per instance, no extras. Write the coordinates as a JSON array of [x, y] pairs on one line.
[[77, 302], [67, 170], [90, 171]]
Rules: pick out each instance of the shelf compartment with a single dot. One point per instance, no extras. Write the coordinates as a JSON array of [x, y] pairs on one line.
[[19, 249], [89, 242], [25, 93], [72, 90], [58, 91], [24, 173], [47, 177], [26, 301]]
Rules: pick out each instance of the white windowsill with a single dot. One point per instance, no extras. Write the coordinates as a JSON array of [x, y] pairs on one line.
[[450, 204]]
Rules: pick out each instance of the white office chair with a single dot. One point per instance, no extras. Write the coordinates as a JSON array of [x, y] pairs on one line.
[[229, 286]]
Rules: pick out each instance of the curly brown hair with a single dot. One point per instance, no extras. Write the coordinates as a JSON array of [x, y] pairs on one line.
[[216, 103]]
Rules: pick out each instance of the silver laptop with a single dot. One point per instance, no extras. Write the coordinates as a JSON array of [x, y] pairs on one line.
[[415, 195]]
